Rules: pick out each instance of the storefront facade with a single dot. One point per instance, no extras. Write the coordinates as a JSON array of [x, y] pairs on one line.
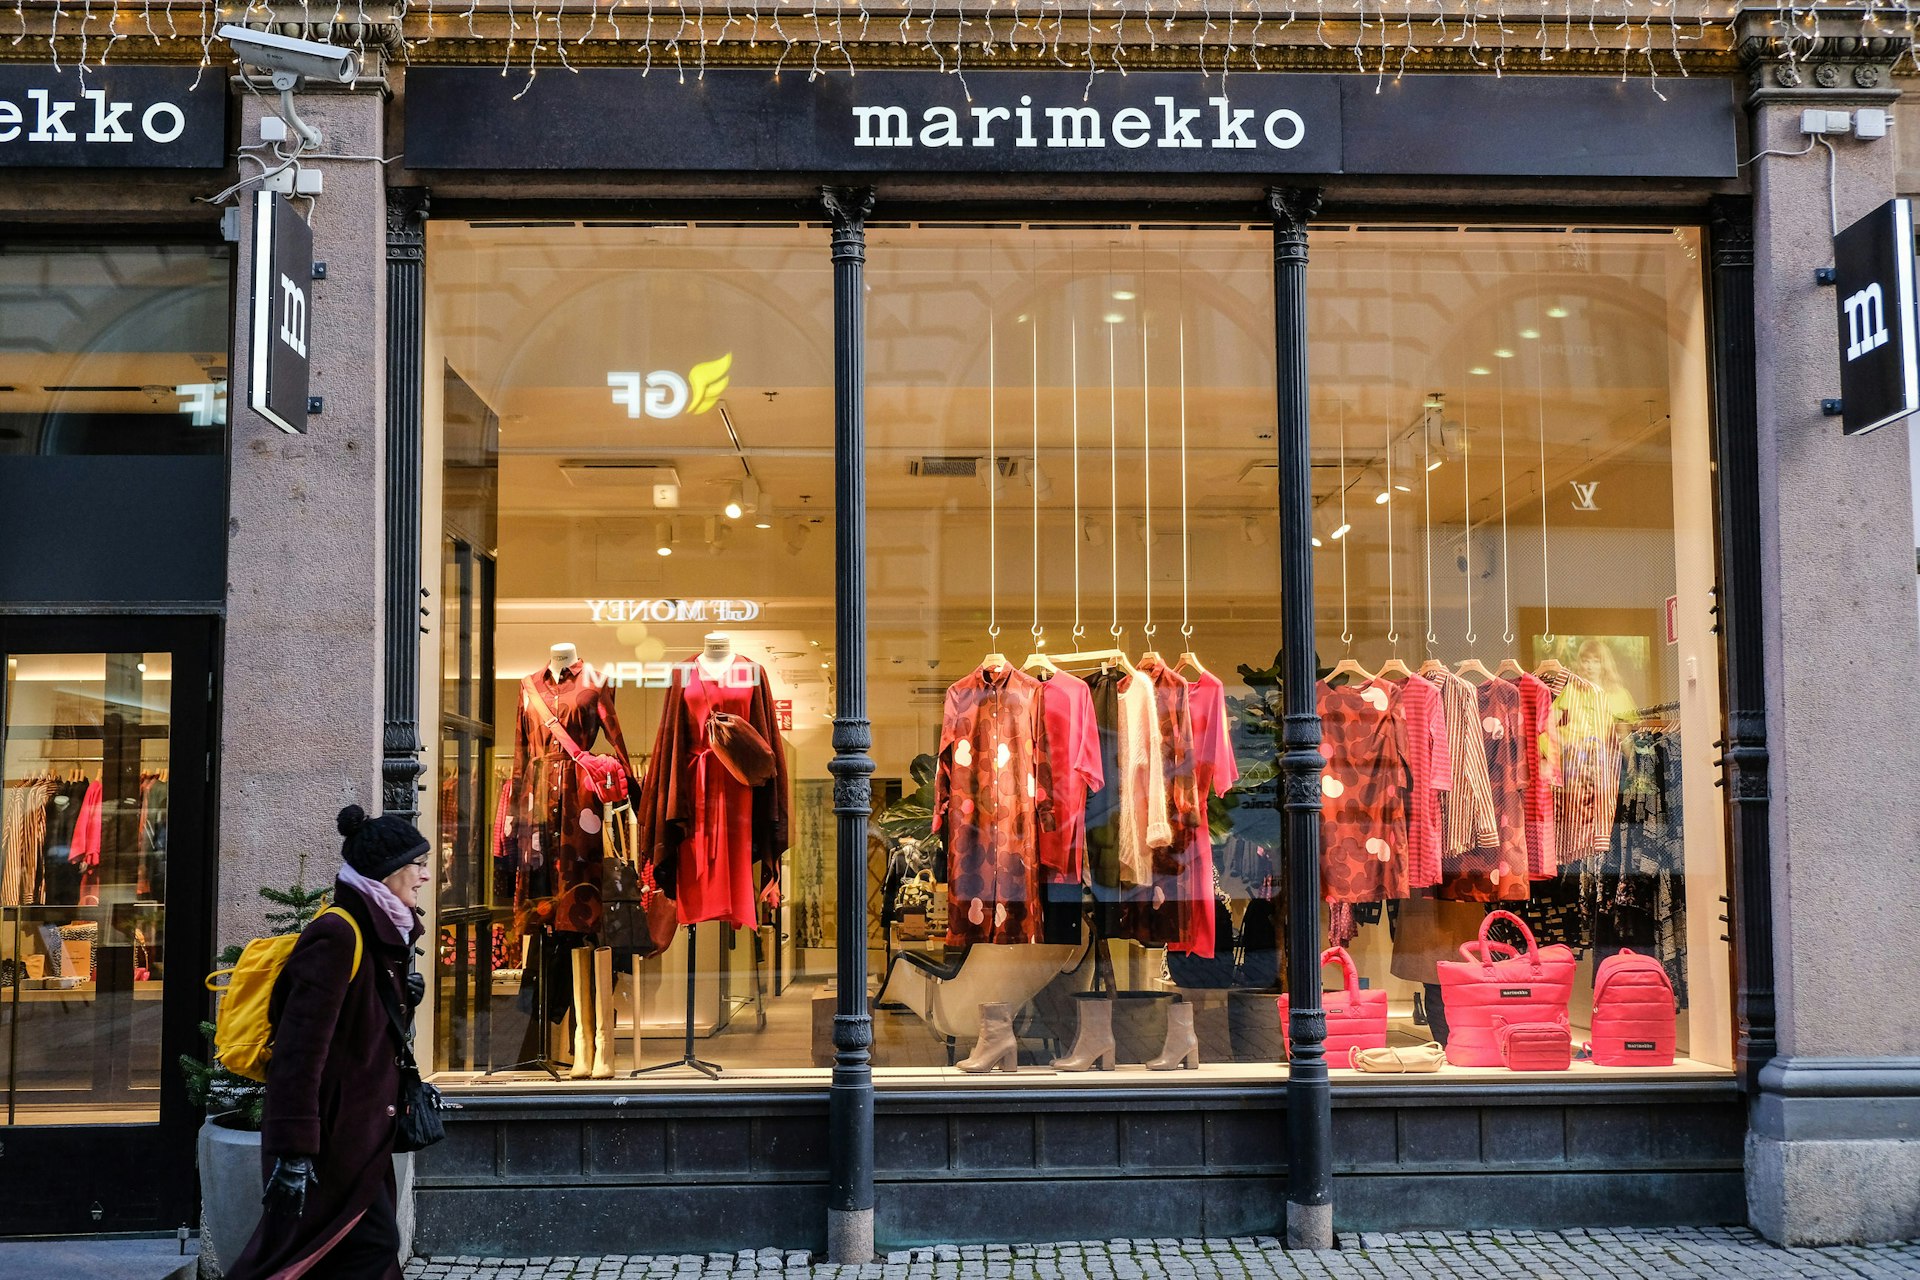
[[645, 393]]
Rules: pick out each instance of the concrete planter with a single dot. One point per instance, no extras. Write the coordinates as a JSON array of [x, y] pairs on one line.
[[230, 1188]]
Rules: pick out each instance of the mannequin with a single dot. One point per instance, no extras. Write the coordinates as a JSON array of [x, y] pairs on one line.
[[714, 840], [555, 832]]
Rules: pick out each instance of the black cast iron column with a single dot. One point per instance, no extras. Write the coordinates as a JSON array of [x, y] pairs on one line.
[[1743, 758], [400, 765], [1309, 1097], [850, 1109]]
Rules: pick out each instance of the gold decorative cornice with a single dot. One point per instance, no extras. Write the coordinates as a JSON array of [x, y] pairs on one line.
[[1838, 57]]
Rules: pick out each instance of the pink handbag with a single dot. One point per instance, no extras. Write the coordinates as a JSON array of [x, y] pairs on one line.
[[1493, 984], [1633, 1012], [1356, 1019]]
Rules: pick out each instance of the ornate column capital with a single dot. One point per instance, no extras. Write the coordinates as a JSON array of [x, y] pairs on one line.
[[1842, 57]]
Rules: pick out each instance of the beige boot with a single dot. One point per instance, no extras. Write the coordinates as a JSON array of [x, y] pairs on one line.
[[603, 1022], [1183, 1047], [582, 1013], [1094, 1043], [996, 1047]]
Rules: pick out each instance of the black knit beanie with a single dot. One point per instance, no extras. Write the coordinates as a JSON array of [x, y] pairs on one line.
[[378, 847]]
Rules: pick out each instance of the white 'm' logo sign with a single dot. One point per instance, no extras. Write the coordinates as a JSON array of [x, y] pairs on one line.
[[1583, 495], [293, 316], [1866, 321]]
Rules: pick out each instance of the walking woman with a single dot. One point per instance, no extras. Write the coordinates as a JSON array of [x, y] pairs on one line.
[[333, 1082]]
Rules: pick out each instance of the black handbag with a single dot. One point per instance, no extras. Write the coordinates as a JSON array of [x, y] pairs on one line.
[[417, 1123]]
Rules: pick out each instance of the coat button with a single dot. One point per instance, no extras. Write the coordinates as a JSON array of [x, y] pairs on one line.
[[390, 1110]]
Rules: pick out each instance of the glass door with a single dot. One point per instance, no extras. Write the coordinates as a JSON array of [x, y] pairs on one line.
[[103, 917]]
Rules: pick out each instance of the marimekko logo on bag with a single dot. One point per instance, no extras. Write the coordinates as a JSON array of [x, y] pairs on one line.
[[1645, 1046], [1516, 993]]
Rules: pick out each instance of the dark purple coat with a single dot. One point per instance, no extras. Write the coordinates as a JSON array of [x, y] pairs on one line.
[[332, 1085]]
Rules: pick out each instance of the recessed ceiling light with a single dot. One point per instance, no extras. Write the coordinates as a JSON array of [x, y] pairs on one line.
[[1435, 464], [1381, 498], [1503, 353], [1479, 371], [1318, 543], [1529, 334], [1123, 295], [1341, 532], [1113, 317], [1556, 313]]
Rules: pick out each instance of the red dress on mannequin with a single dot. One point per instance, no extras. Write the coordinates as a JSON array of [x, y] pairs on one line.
[[702, 828]]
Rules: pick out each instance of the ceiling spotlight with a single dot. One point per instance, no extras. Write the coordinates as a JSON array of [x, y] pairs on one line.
[[1317, 542], [735, 507], [1250, 530], [663, 538], [1556, 312], [1403, 488], [1479, 371], [1042, 482], [1435, 464], [1092, 532], [1113, 317], [1143, 533], [1381, 498], [1123, 295], [763, 513], [1503, 353], [1529, 334], [1022, 317], [1340, 531]]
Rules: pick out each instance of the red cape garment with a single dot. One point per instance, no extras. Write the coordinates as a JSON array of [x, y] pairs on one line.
[[715, 863]]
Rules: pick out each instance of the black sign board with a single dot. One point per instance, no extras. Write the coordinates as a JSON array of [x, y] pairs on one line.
[[1873, 281], [737, 120], [282, 298], [117, 117]]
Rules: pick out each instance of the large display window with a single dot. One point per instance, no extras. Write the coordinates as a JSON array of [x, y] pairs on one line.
[[1074, 596]]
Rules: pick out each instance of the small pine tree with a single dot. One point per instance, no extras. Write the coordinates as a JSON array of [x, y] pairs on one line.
[[212, 1087]]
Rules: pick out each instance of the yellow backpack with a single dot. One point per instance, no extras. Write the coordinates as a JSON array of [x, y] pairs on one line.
[[243, 1029]]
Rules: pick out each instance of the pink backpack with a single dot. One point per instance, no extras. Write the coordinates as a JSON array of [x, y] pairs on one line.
[[1633, 1012]]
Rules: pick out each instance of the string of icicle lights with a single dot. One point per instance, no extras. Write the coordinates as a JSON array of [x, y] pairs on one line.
[[1650, 39]]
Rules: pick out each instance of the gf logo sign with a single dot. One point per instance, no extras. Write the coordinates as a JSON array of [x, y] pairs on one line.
[[1866, 321], [665, 394], [1583, 492]]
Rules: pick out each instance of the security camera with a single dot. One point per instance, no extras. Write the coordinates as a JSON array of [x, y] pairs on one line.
[[289, 60], [286, 56]]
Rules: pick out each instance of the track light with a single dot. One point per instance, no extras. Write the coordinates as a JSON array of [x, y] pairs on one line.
[[1251, 530], [735, 507], [1042, 482], [763, 513], [1381, 498], [1092, 532], [797, 533], [1340, 531], [663, 538]]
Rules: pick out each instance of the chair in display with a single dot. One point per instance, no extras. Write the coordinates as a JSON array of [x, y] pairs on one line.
[[947, 996]]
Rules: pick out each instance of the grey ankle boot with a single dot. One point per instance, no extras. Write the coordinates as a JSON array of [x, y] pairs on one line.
[[996, 1048], [1183, 1047], [1094, 1043]]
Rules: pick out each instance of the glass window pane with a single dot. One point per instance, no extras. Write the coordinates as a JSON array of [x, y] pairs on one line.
[[637, 427], [1074, 598], [116, 350], [1514, 501], [83, 899]]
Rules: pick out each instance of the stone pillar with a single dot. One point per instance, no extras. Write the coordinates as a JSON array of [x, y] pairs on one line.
[[303, 694], [1834, 1149]]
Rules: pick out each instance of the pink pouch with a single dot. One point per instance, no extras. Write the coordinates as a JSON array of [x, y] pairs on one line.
[[1534, 1046]]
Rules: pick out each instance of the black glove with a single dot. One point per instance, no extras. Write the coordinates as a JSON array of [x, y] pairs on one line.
[[287, 1186], [416, 988]]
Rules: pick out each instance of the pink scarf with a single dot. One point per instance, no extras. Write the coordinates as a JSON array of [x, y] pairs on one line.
[[382, 897]]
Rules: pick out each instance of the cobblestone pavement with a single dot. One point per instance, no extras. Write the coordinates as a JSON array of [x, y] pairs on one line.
[[1660, 1254]]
